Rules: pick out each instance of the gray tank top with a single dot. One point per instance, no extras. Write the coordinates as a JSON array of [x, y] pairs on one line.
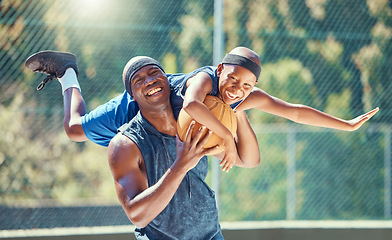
[[192, 212]]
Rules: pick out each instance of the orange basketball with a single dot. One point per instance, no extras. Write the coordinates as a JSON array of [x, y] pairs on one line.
[[222, 111]]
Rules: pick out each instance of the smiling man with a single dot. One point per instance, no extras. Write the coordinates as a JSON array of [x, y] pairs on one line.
[[161, 188]]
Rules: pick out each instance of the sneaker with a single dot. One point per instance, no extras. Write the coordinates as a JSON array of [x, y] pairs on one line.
[[52, 63]]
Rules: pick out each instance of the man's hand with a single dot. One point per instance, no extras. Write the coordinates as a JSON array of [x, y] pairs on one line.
[[191, 150]]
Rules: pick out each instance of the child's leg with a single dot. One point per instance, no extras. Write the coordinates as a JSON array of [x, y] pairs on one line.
[[74, 106], [63, 67]]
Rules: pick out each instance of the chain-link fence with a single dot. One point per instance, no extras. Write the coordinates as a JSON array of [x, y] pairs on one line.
[[329, 54]]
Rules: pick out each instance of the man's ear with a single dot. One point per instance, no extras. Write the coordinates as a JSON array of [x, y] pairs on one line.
[[131, 93], [219, 69]]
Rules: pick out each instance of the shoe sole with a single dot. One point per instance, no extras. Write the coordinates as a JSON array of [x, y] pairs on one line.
[[39, 55]]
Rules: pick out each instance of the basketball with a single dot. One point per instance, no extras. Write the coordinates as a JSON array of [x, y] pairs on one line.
[[222, 111]]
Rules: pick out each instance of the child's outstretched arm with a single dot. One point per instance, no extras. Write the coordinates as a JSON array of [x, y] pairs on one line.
[[300, 113], [198, 87]]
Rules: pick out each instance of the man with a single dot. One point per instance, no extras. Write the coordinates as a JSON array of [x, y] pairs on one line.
[[163, 193]]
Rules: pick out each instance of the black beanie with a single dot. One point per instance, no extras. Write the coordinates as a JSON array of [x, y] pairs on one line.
[[135, 66]]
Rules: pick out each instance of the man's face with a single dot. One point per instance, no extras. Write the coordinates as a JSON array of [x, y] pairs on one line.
[[235, 82], [150, 87]]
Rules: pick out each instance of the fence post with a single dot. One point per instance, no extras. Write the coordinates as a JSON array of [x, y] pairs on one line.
[[387, 175], [218, 44], [291, 200]]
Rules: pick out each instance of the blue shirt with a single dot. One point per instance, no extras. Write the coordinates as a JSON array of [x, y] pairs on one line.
[[101, 124]]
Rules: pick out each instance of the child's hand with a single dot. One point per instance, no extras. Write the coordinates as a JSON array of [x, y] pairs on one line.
[[358, 121], [230, 156]]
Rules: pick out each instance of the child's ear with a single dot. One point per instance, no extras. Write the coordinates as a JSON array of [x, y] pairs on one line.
[[219, 69]]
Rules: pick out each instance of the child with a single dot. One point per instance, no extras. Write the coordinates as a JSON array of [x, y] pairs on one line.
[[233, 81]]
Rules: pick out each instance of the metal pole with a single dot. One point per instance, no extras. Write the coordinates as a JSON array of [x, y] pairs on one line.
[[217, 57], [291, 200], [218, 32], [387, 175]]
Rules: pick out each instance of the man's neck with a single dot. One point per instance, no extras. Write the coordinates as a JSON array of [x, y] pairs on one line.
[[162, 120]]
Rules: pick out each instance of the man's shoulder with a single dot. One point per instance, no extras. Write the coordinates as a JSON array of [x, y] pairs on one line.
[[121, 146], [123, 154], [119, 140]]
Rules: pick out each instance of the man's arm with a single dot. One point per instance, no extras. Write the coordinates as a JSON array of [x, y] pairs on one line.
[[142, 203], [300, 113]]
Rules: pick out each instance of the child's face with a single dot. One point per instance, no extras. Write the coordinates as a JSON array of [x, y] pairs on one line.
[[235, 82]]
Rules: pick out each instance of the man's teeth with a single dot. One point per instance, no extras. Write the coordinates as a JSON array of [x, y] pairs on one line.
[[153, 91]]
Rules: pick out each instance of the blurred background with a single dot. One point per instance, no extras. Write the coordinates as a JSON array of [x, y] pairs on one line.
[[332, 55]]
